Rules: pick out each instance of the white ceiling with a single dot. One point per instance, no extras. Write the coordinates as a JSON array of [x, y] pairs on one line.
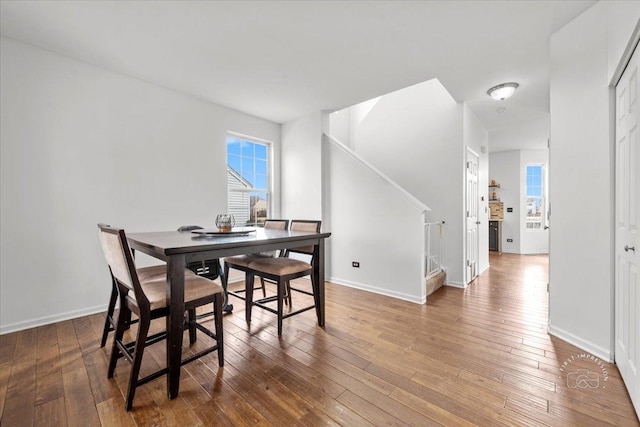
[[281, 60]]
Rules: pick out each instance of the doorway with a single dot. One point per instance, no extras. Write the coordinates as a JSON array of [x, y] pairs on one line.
[[473, 221]]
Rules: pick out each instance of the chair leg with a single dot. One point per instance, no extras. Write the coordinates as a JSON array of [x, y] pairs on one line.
[[281, 289], [315, 290], [108, 321], [143, 329], [127, 323], [289, 293], [217, 309], [249, 279], [117, 337], [264, 291], [225, 276], [191, 320]]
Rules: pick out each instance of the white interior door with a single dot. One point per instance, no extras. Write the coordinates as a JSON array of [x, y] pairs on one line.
[[627, 248], [473, 221]]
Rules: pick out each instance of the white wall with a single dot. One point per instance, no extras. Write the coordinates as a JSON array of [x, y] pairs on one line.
[[504, 168], [301, 173], [476, 137], [340, 126], [583, 55], [375, 224], [81, 145], [530, 135], [415, 136]]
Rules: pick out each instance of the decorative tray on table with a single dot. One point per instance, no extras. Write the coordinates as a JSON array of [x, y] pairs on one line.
[[237, 231]]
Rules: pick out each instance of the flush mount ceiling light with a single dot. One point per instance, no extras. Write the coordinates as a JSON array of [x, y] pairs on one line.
[[503, 91]]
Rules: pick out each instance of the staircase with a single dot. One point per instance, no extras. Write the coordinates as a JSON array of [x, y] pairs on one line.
[[378, 236]]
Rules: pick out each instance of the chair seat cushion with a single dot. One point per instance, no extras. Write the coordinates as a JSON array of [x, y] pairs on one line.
[[195, 288], [279, 266], [156, 272], [240, 260]]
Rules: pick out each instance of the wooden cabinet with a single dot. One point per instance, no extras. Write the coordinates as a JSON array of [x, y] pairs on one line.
[[495, 236]]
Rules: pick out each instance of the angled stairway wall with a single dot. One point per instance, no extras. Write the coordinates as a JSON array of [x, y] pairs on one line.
[[373, 222], [418, 137]]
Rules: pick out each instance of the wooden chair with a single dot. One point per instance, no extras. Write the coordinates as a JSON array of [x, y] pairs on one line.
[[144, 274], [281, 271], [148, 301], [241, 262]]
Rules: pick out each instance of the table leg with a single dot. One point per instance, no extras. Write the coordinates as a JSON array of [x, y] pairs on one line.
[[226, 307], [318, 276], [175, 322]]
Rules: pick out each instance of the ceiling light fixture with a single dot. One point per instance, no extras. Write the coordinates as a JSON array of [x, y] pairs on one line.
[[502, 91]]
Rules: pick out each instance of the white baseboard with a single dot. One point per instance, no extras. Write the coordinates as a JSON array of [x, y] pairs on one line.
[[603, 353], [483, 269], [456, 285], [380, 291], [46, 320]]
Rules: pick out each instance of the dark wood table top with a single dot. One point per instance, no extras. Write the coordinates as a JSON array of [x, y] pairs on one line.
[[169, 243]]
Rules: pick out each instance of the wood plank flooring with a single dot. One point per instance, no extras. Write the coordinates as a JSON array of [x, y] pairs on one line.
[[480, 356]]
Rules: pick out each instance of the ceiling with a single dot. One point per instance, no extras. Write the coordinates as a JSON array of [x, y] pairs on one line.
[[280, 60]]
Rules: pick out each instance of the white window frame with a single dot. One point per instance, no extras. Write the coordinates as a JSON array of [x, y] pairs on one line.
[[268, 192]]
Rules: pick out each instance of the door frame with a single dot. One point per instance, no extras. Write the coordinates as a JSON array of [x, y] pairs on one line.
[[633, 43], [476, 201], [630, 49]]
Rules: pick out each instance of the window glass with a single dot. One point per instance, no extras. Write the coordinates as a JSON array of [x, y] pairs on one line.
[[247, 180], [535, 197]]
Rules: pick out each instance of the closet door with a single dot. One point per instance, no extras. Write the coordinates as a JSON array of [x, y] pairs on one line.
[[627, 217]]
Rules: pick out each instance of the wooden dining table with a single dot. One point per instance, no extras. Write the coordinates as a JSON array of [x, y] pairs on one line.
[[177, 249]]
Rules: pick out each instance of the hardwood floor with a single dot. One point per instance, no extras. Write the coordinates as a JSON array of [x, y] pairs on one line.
[[480, 356]]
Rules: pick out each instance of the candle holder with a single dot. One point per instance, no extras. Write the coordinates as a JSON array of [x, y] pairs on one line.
[[225, 222]]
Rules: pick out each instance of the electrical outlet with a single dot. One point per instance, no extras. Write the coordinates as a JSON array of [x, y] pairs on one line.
[[355, 264]]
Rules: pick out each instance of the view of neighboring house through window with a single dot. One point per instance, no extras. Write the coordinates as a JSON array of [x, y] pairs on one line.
[[247, 180], [535, 197]]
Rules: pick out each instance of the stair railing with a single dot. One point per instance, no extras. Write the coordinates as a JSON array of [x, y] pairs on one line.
[[433, 251]]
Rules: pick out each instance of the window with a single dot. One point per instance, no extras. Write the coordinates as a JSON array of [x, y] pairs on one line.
[[247, 180], [535, 197]]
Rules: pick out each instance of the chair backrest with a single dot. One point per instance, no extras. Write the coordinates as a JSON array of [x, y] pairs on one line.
[[120, 260], [185, 228], [276, 224], [304, 225]]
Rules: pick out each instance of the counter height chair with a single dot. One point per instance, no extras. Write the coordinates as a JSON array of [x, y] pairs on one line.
[[241, 262], [281, 271], [148, 301], [145, 274]]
